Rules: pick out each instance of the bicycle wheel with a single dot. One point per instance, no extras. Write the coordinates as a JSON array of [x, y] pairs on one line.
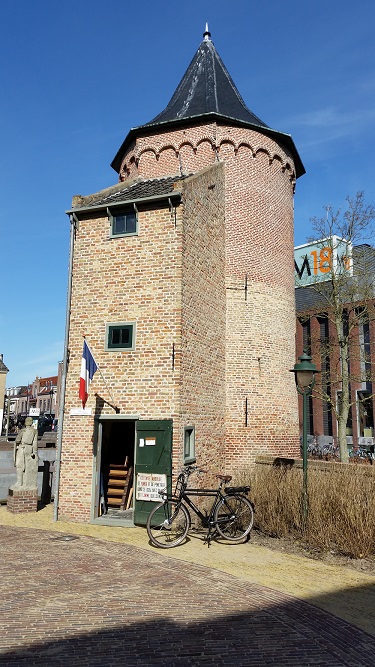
[[168, 524], [234, 518]]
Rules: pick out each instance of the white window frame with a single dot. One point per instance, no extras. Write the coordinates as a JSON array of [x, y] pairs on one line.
[[189, 444]]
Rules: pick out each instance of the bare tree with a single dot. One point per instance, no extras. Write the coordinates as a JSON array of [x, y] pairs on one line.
[[345, 259]]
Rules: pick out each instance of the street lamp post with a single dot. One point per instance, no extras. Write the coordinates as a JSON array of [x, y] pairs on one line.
[[8, 416], [304, 375], [27, 399]]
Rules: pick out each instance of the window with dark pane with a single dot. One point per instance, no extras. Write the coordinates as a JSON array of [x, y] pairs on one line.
[[120, 336], [124, 222]]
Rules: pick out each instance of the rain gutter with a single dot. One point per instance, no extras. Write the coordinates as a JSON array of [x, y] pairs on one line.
[[73, 228], [139, 200]]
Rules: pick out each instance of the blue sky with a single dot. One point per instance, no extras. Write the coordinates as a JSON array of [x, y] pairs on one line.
[[77, 75]]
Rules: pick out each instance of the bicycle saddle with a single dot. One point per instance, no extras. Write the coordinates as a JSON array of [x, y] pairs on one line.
[[225, 478]]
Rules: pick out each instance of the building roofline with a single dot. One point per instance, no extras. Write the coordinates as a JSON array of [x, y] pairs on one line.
[[282, 138], [175, 194]]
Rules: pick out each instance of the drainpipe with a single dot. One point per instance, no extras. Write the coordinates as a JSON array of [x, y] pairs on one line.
[[73, 227]]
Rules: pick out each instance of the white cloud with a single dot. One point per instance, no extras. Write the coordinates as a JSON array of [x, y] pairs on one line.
[[329, 125], [24, 367], [55, 351], [332, 118]]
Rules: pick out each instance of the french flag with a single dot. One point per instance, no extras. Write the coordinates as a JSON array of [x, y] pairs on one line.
[[88, 368]]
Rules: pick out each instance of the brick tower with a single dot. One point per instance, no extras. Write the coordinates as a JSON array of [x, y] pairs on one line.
[[205, 122], [182, 280]]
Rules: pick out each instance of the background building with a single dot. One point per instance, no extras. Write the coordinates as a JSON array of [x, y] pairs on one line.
[[317, 334], [43, 395]]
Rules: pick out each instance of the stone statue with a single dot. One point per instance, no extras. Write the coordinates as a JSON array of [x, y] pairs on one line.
[[26, 457]]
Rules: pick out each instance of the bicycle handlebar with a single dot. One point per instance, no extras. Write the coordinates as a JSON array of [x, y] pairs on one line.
[[188, 470]]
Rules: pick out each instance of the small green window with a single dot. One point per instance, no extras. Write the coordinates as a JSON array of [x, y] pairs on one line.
[[120, 336], [189, 444], [123, 223]]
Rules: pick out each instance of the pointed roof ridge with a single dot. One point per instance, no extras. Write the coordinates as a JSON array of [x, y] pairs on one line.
[[206, 87]]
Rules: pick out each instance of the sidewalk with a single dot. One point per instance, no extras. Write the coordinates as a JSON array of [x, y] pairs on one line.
[[346, 593]]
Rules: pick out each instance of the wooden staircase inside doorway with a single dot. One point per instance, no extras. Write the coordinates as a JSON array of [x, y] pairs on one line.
[[120, 485]]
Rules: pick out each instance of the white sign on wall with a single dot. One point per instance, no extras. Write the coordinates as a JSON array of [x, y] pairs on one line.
[[80, 412], [315, 262], [34, 412], [149, 485]]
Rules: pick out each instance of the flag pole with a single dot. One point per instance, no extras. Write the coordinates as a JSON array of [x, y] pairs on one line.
[[101, 375]]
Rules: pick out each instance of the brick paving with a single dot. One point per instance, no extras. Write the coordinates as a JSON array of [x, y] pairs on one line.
[[93, 603]]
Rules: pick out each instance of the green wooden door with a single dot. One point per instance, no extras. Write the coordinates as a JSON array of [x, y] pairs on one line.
[[153, 465]]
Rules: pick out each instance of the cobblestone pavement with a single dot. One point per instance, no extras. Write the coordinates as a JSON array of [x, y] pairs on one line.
[[88, 602]]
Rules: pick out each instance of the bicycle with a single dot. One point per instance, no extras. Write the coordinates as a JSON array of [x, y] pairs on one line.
[[331, 450], [231, 514], [312, 446], [360, 453]]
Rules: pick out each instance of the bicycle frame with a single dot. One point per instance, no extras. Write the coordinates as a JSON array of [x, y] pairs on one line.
[[202, 493]]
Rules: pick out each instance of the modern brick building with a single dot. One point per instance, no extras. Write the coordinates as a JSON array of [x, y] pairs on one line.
[[182, 282], [317, 334]]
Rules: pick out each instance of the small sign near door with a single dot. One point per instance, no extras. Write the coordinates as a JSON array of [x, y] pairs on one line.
[[148, 442], [149, 485]]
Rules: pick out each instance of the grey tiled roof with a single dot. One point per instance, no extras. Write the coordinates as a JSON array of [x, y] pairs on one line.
[[308, 298], [122, 193]]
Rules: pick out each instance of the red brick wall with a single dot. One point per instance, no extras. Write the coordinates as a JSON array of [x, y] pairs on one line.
[[259, 182], [260, 329], [203, 315], [170, 281], [135, 278]]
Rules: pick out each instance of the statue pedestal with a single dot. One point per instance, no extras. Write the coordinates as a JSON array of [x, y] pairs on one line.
[[22, 500]]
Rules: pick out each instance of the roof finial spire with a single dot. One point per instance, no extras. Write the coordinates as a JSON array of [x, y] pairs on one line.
[[207, 34]]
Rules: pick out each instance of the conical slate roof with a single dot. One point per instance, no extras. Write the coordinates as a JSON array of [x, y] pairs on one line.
[[207, 92], [207, 87]]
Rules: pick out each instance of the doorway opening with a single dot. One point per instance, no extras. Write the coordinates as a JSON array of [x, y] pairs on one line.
[[116, 470]]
